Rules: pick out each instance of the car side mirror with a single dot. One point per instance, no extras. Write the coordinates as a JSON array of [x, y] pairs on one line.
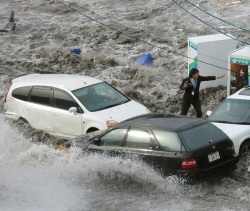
[[208, 113], [97, 141], [73, 110]]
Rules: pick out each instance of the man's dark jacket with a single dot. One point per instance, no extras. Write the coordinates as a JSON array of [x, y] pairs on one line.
[[190, 88]]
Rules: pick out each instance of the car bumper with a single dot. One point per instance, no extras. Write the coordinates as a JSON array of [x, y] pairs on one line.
[[12, 115], [204, 174]]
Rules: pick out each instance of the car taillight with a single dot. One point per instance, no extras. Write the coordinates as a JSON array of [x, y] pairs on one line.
[[5, 98], [189, 163], [233, 149]]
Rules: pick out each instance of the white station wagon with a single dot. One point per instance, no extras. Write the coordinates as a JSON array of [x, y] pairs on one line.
[[68, 105]]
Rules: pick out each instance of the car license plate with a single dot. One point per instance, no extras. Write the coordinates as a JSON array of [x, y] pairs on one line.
[[213, 156]]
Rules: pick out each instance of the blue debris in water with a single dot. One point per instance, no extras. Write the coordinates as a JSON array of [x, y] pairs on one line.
[[76, 51], [145, 59]]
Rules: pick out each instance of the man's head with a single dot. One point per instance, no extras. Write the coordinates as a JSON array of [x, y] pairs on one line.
[[194, 73]]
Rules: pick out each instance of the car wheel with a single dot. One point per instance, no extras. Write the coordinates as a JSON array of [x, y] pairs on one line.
[[245, 149], [92, 130]]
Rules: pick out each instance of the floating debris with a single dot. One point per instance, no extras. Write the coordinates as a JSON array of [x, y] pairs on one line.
[[11, 26]]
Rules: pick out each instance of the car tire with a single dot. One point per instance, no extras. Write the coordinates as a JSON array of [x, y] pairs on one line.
[[92, 130], [245, 149]]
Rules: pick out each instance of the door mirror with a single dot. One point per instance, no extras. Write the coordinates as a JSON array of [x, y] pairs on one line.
[[73, 110], [208, 113], [97, 141]]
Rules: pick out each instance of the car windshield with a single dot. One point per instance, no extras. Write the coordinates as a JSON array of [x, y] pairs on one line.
[[100, 96], [202, 135], [235, 111]]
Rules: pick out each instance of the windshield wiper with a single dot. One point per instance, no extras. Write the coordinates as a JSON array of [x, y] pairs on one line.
[[113, 105], [222, 121], [242, 123], [237, 123]]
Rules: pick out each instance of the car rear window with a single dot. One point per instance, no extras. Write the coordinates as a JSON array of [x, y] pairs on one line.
[[201, 135], [21, 93]]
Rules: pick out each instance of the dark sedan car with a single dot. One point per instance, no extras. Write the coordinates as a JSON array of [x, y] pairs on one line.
[[191, 148]]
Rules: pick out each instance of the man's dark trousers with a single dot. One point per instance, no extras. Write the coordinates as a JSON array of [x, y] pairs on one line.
[[187, 100]]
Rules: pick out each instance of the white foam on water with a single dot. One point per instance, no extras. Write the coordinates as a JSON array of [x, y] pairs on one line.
[[35, 176]]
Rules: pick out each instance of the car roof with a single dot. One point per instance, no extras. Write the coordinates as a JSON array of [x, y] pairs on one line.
[[69, 81], [243, 94], [168, 122]]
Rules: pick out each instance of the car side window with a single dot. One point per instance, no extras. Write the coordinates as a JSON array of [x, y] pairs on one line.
[[64, 101], [41, 95], [168, 140], [114, 137], [21, 93], [138, 139]]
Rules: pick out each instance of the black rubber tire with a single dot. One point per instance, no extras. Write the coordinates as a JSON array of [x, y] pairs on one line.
[[245, 149], [92, 130]]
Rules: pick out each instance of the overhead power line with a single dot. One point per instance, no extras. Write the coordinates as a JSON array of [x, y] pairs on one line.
[[242, 41], [137, 39], [227, 22]]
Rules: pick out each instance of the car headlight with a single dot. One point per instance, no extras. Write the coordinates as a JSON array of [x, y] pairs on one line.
[[111, 123]]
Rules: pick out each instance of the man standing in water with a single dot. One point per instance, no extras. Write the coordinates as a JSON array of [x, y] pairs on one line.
[[191, 85]]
